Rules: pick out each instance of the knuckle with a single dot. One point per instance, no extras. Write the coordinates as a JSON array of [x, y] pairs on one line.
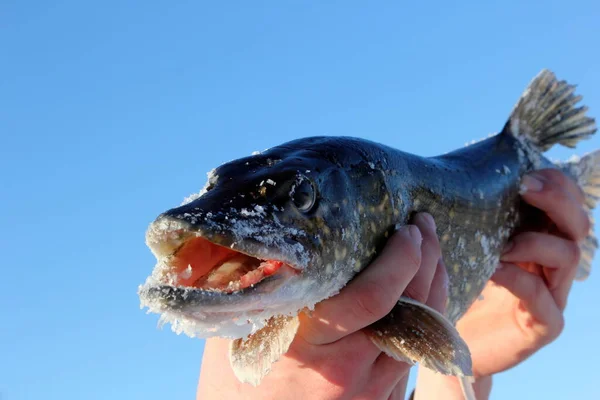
[[373, 302], [561, 181], [553, 175], [403, 258], [556, 178], [411, 259], [555, 191], [416, 292]]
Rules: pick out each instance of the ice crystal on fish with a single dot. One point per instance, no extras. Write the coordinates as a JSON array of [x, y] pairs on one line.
[[211, 178]]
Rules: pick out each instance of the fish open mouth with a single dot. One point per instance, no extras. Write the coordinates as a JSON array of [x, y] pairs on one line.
[[198, 263], [187, 259], [226, 275]]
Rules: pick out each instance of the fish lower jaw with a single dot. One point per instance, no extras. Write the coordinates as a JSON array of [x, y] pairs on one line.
[[211, 324], [231, 324], [216, 314]]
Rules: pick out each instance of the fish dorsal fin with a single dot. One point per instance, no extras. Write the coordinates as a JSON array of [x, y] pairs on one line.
[[413, 332], [251, 358], [546, 114]]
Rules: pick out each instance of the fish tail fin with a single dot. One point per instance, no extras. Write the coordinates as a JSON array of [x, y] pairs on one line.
[[587, 173], [546, 115]]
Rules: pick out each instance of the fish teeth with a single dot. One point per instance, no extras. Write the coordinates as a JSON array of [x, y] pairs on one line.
[[186, 273], [231, 270], [227, 268]]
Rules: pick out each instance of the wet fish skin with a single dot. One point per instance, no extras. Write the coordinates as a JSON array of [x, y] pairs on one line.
[[362, 191]]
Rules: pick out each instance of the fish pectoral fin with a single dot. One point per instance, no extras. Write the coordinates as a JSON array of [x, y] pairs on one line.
[[413, 332], [251, 358]]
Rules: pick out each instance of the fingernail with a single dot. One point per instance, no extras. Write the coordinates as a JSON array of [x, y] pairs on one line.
[[415, 234], [428, 220], [531, 183]]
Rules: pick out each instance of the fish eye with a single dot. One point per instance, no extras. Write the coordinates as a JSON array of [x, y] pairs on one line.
[[303, 194]]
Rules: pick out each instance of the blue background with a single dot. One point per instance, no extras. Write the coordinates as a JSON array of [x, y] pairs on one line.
[[113, 111]]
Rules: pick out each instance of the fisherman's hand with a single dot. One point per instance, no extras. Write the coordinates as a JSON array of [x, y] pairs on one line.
[[331, 358], [524, 311], [522, 308]]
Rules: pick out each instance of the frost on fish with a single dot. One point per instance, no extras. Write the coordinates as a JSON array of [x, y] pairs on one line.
[[260, 234], [273, 234], [210, 181], [206, 324], [475, 141]]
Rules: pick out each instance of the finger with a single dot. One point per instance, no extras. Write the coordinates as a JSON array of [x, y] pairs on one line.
[[400, 390], [542, 314], [418, 288], [371, 295], [353, 355], [543, 191], [560, 283], [543, 249], [386, 374], [559, 258], [561, 180], [438, 294]]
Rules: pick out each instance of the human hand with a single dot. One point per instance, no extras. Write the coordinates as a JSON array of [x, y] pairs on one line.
[[331, 357], [523, 312], [522, 308]]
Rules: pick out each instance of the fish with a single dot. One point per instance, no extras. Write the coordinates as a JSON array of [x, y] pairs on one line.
[[273, 234]]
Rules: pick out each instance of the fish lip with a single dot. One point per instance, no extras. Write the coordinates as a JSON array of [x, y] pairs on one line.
[[168, 233], [186, 299], [174, 229]]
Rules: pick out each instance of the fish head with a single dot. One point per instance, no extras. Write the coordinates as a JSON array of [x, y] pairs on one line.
[[258, 241]]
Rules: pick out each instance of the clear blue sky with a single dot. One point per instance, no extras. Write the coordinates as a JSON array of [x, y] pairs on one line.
[[113, 112]]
